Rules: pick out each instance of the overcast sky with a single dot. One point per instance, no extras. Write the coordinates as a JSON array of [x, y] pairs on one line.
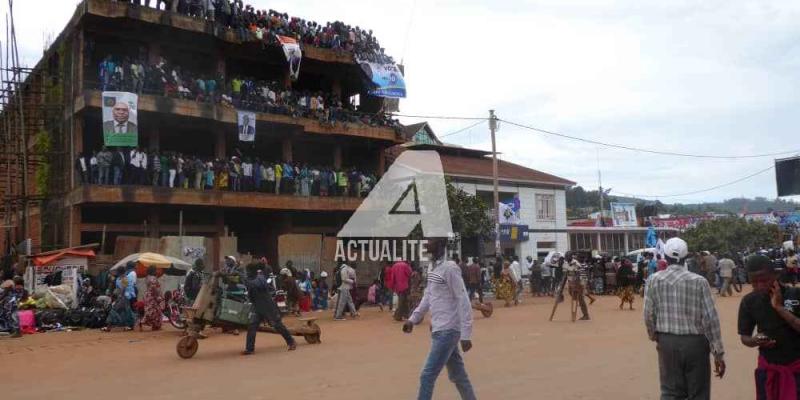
[[712, 77]]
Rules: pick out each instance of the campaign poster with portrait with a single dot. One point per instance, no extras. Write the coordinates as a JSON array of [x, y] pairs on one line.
[[120, 119], [624, 214], [247, 125]]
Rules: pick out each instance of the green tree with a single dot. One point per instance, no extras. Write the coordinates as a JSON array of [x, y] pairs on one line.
[[731, 234], [469, 214]]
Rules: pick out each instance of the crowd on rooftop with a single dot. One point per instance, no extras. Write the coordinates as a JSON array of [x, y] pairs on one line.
[[238, 173], [251, 24]]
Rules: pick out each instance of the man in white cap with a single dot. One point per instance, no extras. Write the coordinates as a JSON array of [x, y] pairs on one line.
[[680, 316]]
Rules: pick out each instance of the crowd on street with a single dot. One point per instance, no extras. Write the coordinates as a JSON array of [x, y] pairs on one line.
[[123, 166], [409, 289], [244, 93]]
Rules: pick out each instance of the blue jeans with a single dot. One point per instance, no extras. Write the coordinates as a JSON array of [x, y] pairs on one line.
[[444, 351], [117, 175]]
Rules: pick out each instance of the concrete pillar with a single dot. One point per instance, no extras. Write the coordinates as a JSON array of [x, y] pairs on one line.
[[627, 243], [337, 156], [336, 87], [381, 161], [219, 145], [221, 64], [153, 223], [287, 150], [77, 64], [219, 223], [74, 230], [77, 146], [154, 52], [155, 138], [287, 78]]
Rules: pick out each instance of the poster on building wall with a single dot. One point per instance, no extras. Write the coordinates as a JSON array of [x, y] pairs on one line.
[[291, 49], [120, 119], [78, 264], [247, 125], [192, 254], [624, 214], [387, 80], [507, 214]]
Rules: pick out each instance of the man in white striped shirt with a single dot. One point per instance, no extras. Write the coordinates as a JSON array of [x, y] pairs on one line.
[[680, 316], [451, 322]]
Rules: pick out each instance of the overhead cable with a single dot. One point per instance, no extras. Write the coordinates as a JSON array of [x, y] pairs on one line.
[[651, 151], [697, 191]]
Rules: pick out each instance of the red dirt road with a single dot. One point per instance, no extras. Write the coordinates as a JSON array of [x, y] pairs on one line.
[[517, 354]]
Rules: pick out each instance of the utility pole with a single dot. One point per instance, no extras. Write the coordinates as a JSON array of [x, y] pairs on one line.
[[600, 189], [493, 129]]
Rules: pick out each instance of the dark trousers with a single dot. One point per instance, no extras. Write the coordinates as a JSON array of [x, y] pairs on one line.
[[547, 285], [684, 367], [274, 320], [401, 311], [476, 289]]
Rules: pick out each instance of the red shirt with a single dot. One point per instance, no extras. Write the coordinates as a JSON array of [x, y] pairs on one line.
[[387, 277], [401, 272], [662, 265]]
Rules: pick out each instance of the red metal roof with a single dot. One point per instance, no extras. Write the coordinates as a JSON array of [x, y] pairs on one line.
[[481, 167], [47, 259]]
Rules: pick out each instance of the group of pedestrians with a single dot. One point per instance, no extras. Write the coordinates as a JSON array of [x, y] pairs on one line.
[[681, 316]]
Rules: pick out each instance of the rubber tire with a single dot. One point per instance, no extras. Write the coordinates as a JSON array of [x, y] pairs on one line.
[[315, 338], [177, 322], [187, 347]]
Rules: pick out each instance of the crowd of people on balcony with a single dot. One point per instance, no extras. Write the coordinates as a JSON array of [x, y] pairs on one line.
[[244, 93], [251, 24], [126, 166]]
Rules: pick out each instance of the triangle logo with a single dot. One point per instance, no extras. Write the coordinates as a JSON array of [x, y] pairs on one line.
[[408, 203]]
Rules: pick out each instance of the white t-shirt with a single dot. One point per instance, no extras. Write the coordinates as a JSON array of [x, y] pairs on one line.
[[516, 270]]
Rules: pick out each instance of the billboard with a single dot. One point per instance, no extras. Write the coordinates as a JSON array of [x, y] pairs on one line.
[[387, 79], [120, 119], [787, 176], [624, 214]]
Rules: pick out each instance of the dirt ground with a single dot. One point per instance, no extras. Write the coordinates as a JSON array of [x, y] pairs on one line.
[[517, 354]]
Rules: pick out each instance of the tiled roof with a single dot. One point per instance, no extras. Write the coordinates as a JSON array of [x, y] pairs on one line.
[[481, 167]]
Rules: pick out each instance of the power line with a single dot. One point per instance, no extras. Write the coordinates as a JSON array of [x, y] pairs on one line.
[[631, 148], [461, 130], [439, 117], [699, 191]]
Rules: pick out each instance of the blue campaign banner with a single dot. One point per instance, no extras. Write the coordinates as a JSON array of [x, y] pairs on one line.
[[513, 233], [386, 78]]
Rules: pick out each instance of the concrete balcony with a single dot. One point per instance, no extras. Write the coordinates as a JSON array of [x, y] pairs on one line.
[[130, 194], [216, 112]]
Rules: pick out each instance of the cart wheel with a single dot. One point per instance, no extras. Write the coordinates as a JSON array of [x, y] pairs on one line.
[[487, 310], [314, 338], [187, 346]]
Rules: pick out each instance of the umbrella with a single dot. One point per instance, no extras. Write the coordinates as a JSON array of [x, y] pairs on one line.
[[154, 259]]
